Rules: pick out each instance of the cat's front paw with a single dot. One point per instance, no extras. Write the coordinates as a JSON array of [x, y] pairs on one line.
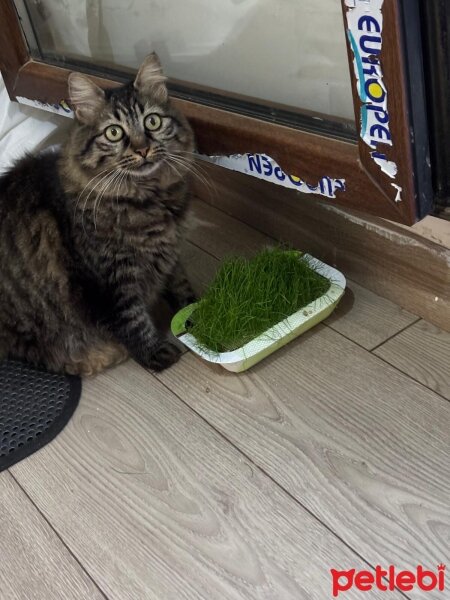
[[164, 356]]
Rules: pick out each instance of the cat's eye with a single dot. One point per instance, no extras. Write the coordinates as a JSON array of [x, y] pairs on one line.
[[114, 133], [153, 122]]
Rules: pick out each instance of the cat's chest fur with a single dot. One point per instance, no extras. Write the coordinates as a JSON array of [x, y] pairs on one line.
[[143, 234], [140, 228]]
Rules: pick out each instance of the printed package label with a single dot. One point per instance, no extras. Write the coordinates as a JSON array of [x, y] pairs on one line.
[[365, 34], [264, 167]]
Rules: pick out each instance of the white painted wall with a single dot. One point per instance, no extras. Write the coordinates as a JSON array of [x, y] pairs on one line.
[[288, 51]]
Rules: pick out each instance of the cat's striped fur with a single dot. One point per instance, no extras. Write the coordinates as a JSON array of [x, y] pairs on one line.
[[90, 237]]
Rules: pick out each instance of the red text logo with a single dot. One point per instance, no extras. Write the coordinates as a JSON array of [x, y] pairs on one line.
[[388, 580]]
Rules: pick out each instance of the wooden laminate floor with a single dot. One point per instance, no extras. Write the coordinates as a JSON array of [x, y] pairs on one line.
[[334, 453]]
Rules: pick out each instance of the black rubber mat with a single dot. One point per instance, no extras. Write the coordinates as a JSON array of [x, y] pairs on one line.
[[34, 407]]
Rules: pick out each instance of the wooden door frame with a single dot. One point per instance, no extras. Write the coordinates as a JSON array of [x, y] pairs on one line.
[[305, 154]]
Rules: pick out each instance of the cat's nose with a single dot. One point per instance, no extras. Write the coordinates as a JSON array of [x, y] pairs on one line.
[[142, 151]]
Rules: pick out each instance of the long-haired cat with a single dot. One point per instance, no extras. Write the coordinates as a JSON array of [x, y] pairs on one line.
[[90, 237]]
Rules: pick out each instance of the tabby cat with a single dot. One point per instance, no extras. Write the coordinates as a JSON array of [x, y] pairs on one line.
[[90, 236]]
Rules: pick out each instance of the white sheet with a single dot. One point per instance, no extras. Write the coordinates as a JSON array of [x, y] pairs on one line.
[[25, 129]]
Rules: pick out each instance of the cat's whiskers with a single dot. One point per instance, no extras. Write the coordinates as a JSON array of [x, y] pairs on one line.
[[204, 178], [172, 166], [114, 182], [198, 165], [116, 189], [109, 183], [192, 168], [99, 193], [191, 165], [83, 190], [123, 179], [110, 171]]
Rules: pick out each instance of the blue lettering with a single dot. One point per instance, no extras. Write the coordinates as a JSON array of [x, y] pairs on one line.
[[326, 187], [375, 40], [373, 69], [268, 168], [378, 155], [339, 185], [279, 174], [380, 132], [254, 163], [365, 24], [381, 115], [370, 60]]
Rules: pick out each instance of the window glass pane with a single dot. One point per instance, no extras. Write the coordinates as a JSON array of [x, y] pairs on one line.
[[289, 52]]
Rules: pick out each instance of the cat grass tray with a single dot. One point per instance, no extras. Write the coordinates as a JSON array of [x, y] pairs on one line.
[[273, 338]]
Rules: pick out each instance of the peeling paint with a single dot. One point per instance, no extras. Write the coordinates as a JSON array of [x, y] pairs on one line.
[[393, 235], [399, 189], [265, 167], [365, 34], [61, 108], [387, 166], [256, 165]]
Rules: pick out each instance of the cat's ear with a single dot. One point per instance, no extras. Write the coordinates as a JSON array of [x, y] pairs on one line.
[[150, 80], [86, 98]]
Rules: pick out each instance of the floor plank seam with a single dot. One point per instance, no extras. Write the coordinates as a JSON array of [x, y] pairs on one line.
[[203, 250], [430, 389], [240, 221], [55, 531], [395, 335], [416, 381], [261, 470]]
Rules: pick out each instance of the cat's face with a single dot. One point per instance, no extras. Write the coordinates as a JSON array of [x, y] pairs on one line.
[[132, 130]]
